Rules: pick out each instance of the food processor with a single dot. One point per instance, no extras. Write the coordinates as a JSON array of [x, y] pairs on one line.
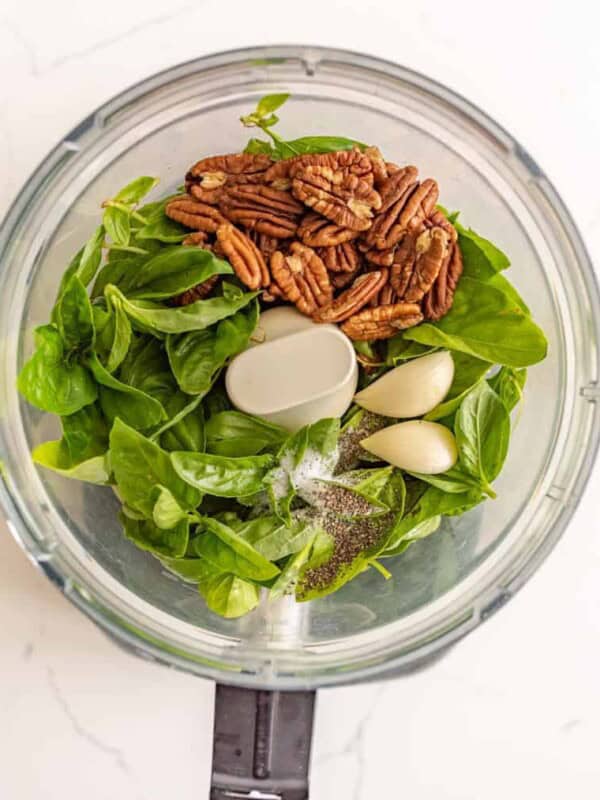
[[269, 663]]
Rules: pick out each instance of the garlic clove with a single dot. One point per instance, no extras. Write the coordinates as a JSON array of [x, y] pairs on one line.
[[415, 446], [410, 390]]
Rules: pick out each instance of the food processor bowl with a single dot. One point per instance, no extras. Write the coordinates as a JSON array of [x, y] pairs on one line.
[[443, 586]]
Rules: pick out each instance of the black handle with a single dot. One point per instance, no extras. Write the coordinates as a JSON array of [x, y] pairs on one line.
[[261, 747]]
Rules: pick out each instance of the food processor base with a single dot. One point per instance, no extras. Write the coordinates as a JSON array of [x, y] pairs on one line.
[[261, 744]]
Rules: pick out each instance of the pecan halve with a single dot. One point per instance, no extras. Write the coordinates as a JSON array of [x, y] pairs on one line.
[[197, 239], [266, 244], [418, 262], [317, 231], [338, 195], [194, 214], [353, 299], [244, 256], [302, 278], [382, 258], [438, 301], [412, 206], [380, 171], [340, 258], [382, 322], [262, 208], [206, 179], [386, 297], [340, 280], [281, 173], [198, 292]]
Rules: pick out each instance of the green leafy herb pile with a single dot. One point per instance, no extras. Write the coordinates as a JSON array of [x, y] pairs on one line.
[[227, 501]]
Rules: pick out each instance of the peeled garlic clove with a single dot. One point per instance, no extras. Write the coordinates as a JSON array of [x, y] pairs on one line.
[[416, 446], [410, 390]]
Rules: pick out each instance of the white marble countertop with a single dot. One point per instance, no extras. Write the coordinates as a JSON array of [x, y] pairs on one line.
[[506, 713]]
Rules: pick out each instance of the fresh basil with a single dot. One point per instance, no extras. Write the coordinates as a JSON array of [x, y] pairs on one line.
[[468, 371], [274, 539], [231, 433], [196, 316], [197, 357], [119, 400], [55, 456], [431, 504], [220, 476], [487, 324], [508, 383], [74, 316], [85, 433], [227, 551], [147, 536], [482, 429], [481, 258], [290, 575], [139, 466], [50, 382], [117, 224], [228, 596], [136, 190], [166, 512], [172, 271]]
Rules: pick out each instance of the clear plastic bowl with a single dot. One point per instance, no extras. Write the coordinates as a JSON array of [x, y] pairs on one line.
[[443, 586]]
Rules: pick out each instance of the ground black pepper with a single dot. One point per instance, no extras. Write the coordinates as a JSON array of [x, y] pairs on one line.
[[349, 444], [350, 539]]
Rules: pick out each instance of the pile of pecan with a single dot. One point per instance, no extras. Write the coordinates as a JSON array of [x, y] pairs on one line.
[[347, 237]]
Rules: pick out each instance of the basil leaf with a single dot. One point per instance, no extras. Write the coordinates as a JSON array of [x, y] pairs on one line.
[[508, 384], [125, 402], [481, 258], [220, 476], [49, 382], [273, 539], [172, 271], [228, 595], [231, 433], [192, 570], [420, 531], [164, 229], [453, 481], [258, 147], [187, 433], [288, 580], [166, 513], [134, 191], [139, 466], [74, 317], [55, 456], [197, 357], [269, 103], [117, 224], [84, 264], [121, 337], [468, 371], [145, 534], [482, 429], [228, 552], [400, 349], [487, 324], [314, 144], [196, 316], [498, 281], [432, 503], [85, 433]]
